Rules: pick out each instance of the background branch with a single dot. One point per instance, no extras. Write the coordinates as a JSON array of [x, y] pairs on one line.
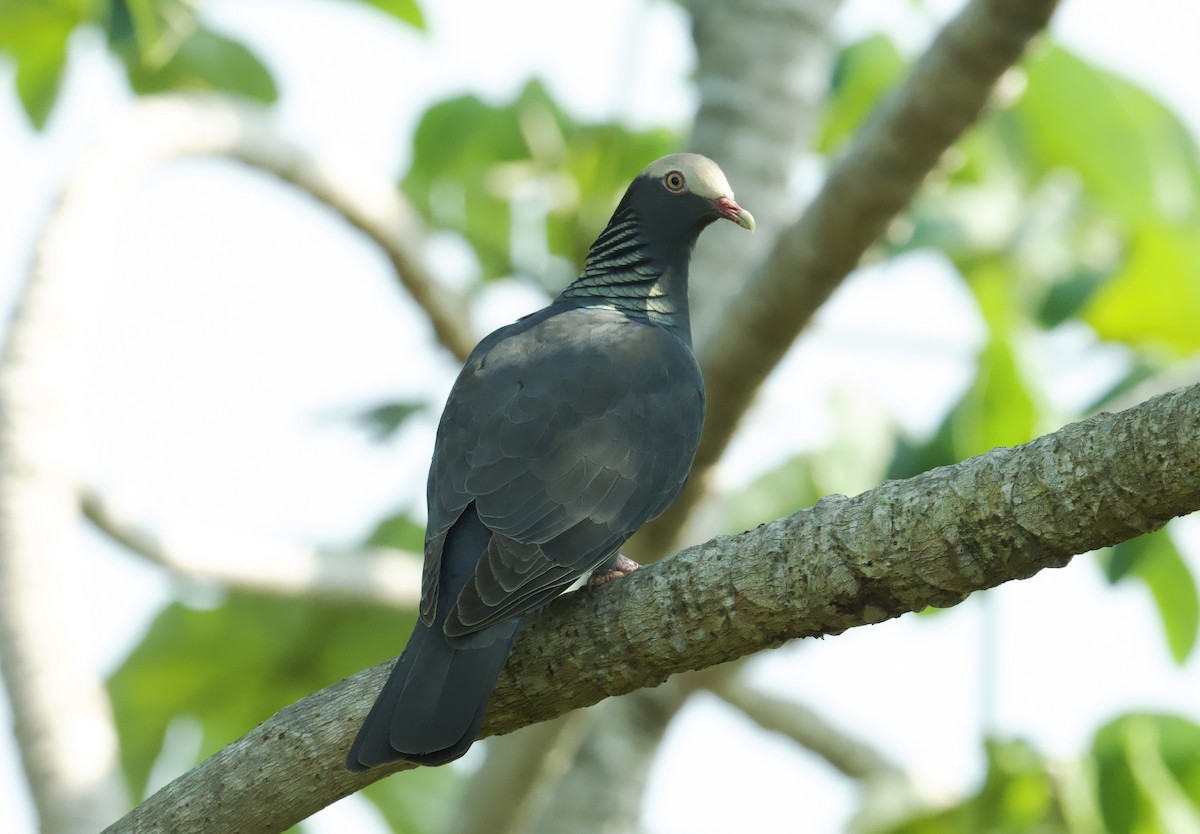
[[378, 575], [158, 129], [853, 757], [62, 717], [906, 545], [886, 164], [763, 69]]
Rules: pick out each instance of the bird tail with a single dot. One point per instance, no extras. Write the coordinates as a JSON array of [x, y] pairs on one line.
[[432, 705]]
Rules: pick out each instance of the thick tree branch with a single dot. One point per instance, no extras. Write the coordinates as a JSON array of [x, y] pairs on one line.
[[886, 164], [906, 545], [382, 575]]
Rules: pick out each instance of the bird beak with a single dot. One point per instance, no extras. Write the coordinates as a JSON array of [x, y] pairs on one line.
[[730, 210]]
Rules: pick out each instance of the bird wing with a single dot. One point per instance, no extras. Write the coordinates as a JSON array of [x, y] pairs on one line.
[[568, 431]]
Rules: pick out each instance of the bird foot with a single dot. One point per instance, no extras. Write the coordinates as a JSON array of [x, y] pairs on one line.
[[621, 567]]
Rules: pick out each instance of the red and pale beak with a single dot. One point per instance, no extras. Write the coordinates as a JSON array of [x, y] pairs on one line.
[[730, 210]]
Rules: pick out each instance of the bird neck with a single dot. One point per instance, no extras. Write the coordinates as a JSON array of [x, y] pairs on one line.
[[625, 272]]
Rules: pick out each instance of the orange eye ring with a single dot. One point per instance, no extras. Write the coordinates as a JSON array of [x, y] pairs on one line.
[[674, 182]]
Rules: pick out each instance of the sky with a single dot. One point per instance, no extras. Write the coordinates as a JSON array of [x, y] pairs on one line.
[[268, 302]]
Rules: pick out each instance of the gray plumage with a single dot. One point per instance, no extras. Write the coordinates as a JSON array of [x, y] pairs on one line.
[[564, 433]]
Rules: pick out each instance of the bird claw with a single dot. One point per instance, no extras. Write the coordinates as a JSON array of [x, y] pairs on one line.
[[621, 567]]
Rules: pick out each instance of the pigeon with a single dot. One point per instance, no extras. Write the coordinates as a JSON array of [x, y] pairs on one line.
[[564, 433]]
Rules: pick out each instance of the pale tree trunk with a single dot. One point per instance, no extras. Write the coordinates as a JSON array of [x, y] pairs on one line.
[[62, 718], [763, 70]]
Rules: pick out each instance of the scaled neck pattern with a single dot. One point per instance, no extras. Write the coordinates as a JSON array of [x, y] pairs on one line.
[[621, 273]]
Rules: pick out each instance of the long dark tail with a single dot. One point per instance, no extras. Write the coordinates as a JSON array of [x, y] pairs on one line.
[[432, 705]]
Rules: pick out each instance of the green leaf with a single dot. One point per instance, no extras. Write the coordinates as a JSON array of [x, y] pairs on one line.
[[1154, 301], [398, 531], [406, 11], [523, 182], [1154, 559], [203, 61], [35, 37], [911, 458], [1020, 795], [999, 409], [1068, 296], [420, 800], [39, 75], [1148, 774], [159, 27], [385, 419], [1139, 371], [862, 76], [1135, 157], [777, 492], [232, 666]]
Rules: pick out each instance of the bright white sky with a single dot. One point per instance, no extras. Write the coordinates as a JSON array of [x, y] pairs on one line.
[[274, 322]]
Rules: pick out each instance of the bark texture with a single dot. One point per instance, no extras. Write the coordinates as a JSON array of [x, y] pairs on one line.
[[929, 540]]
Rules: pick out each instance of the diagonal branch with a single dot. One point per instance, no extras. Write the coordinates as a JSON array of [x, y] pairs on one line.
[[853, 757], [886, 164], [906, 545], [161, 128], [380, 575]]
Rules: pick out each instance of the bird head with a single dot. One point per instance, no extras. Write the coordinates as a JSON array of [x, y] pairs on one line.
[[687, 191]]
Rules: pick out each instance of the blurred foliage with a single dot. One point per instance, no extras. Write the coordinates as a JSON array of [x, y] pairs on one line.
[[1155, 560], [1148, 774], [232, 666], [385, 419], [1141, 776], [163, 45], [528, 186], [1019, 794], [1075, 204], [398, 531]]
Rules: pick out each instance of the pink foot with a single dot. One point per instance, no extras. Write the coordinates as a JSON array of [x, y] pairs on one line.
[[623, 566]]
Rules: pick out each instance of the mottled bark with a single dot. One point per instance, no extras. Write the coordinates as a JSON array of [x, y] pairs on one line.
[[906, 545]]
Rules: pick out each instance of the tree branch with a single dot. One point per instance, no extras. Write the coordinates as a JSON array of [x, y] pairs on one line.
[[886, 164], [851, 756], [762, 72], [519, 776], [161, 128], [906, 545], [381, 575]]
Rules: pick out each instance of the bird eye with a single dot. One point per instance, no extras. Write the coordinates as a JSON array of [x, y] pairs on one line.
[[674, 181]]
